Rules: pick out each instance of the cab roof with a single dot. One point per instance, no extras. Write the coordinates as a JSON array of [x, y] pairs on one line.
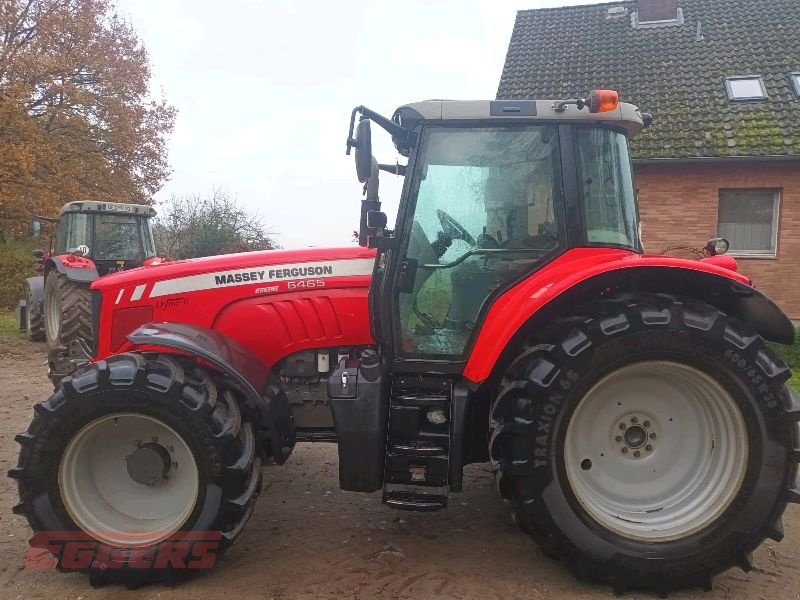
[[625, 115], [119, 208]]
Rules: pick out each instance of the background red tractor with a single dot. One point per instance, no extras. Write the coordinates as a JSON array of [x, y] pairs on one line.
[[640, 429], [92, 239]]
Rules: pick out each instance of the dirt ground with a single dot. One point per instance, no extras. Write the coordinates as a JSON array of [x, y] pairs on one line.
[[308, 539]]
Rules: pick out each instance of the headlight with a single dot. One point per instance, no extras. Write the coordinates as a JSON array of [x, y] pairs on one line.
[[716, 246]]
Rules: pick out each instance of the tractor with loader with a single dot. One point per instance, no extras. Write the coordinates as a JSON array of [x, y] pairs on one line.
[[92, 239], [639, 428]]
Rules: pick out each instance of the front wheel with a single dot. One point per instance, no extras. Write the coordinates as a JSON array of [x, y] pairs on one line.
[[67, 311], [648, 444], [144, 463]]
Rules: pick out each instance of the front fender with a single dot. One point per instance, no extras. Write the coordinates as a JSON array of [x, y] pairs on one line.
[[251, 375], [583, 274], [76, 268]]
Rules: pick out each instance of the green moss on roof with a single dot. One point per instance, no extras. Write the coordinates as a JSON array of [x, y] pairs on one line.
[[565, 52]]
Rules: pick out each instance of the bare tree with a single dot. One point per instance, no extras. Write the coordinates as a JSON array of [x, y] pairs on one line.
[[194, 225]]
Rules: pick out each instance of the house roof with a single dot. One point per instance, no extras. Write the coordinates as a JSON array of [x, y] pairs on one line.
[[677, 73]]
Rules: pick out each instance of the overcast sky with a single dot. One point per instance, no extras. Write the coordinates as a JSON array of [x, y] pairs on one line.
[[264, 90]]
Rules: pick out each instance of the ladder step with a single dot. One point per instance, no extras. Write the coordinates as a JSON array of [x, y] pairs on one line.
[[403, 500], [417, 448], [419, 400]]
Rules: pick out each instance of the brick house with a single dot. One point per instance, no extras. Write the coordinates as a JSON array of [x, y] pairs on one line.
[[722, 80]]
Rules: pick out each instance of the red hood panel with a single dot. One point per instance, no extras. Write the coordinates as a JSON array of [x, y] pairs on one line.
[[227, 262]]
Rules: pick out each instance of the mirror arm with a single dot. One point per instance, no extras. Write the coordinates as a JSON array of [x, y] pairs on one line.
[[393, 128], [371, 186], [395, 169]]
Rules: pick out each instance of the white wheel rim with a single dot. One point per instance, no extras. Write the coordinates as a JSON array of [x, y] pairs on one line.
[[52, 312], [102, 497], [656, 451]]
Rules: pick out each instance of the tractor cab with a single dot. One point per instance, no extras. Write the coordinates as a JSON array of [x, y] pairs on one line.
[[114, 236], [494, 191]]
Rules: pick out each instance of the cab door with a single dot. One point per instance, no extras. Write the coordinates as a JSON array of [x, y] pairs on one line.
[[483, 208]]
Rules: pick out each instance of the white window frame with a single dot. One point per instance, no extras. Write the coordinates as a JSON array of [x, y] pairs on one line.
[[733, 98], [639, 24], [795, 81], [776, 219]]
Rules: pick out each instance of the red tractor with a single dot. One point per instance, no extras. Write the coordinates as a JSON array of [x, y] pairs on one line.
[[92, 239], [640, 429]]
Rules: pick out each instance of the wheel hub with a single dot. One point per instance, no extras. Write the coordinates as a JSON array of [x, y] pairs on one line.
[[635, 435], [149, 463]]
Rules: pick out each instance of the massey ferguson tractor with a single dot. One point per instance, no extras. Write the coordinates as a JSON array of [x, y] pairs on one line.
[[92, 239], [638, 426]]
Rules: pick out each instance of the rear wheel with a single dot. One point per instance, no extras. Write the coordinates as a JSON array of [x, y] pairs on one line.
[[34, 320], [67, 310], [649, 445], [147, 459]]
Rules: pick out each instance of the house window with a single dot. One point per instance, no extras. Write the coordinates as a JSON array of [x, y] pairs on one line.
[[748, 219], [795, 77], [748, 87]]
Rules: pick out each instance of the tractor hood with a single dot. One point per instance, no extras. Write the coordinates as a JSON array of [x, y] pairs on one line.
[[231, 264]]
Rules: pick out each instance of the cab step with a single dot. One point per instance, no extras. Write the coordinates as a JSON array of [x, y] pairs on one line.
[[415, 501], [417, 448], [419, 444]]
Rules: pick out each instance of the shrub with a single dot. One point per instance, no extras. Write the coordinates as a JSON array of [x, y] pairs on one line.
[[16, 265]]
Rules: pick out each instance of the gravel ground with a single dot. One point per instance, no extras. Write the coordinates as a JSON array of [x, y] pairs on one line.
[[310, 540]]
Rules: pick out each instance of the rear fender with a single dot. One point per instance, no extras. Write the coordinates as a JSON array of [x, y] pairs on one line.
[[36, 286], [76, 268], [544, 297], [250, 375]]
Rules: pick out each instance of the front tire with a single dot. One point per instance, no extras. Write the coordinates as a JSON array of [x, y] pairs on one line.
[[67, 311], [146, 458], [648, 444]]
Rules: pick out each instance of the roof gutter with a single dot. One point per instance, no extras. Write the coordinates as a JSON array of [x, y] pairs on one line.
[[717, 159]]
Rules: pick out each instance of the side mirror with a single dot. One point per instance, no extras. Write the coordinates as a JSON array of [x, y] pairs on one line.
[[363, 152], [38, 254]]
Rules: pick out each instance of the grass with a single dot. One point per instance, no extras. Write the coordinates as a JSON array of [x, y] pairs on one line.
[[8, 323], [791, 354]]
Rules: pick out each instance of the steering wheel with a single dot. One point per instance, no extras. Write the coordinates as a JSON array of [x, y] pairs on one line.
[[453, 228]]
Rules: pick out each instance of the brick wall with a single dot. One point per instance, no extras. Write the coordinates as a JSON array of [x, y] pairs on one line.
[[678, 205]]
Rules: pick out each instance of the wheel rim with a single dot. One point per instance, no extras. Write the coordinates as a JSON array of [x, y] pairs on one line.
[[128, 480], [656, 451], [52, 311], [28, 308]]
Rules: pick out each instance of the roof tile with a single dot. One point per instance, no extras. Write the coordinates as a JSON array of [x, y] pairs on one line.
[[668, 71]]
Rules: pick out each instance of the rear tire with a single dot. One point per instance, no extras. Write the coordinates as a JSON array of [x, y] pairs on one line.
[[728, 471], [67, 311], [34, 320], [199, 500]]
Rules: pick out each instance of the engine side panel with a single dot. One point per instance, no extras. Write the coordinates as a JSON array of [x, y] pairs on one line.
[[273, 327], [272, 303]]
